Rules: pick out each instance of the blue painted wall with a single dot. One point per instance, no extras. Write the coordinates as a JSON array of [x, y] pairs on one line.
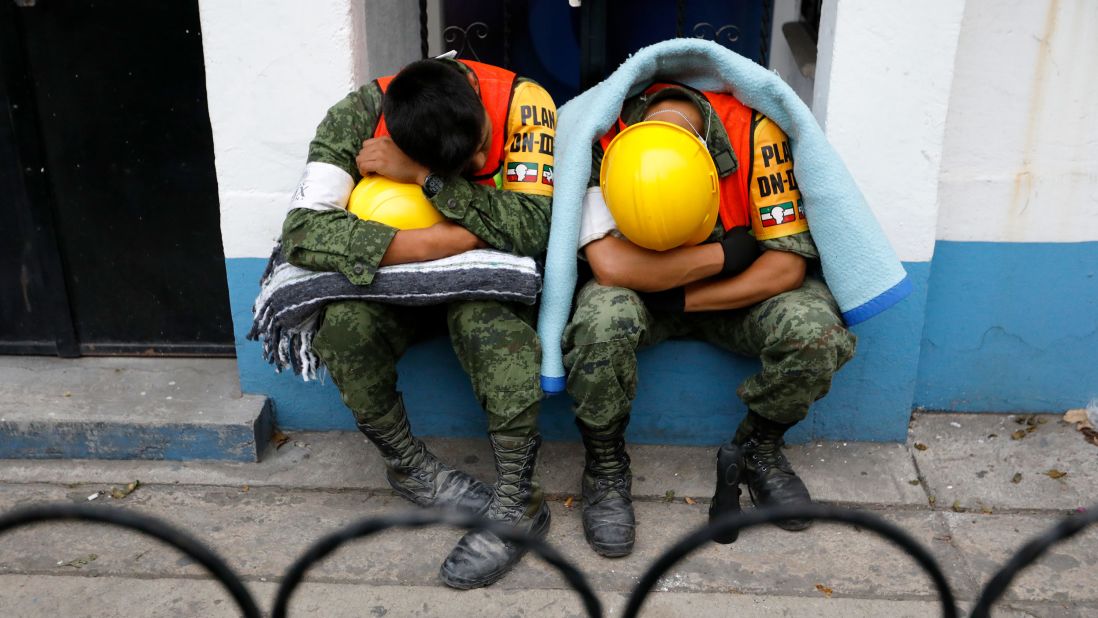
[[1010, 327], [687, 391]]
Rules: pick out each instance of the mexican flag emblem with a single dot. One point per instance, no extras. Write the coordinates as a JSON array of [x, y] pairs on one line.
[[547, 175], [522, 172], [778, 214]]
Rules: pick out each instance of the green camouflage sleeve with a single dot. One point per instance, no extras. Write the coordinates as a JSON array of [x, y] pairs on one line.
[[335, 240], [340, 135], [506, 220], [801, 244]]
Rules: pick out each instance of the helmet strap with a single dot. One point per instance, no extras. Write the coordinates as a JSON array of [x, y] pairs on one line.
[[704, 140]]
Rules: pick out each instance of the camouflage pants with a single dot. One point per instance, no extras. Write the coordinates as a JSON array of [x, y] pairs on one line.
[[799, 337], [361, 342]]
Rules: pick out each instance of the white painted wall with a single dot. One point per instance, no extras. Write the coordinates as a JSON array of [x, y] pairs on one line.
[[1021, 148], [272, 70], [882, 90]]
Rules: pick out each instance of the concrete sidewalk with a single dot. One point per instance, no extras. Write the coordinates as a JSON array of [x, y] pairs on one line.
[[961, 486]]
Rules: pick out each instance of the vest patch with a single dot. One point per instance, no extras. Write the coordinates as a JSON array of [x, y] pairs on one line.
[[775, 196], [522, 171], [530, 137]]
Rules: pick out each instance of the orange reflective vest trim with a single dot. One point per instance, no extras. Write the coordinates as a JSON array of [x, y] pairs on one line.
[[495, 91], [736, 117]]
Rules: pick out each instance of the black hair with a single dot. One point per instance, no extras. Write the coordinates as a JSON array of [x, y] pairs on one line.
[[434, 115]]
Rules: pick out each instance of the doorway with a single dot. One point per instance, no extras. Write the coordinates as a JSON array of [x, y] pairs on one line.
[[111, 241]]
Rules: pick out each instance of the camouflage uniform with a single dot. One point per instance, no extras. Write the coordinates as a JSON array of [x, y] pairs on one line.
[[360, 342], [799, 336]]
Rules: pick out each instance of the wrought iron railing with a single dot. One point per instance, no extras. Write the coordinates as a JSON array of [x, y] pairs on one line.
[[216, 566]]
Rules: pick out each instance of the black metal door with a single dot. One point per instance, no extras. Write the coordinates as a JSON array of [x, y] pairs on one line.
[[107, 147]]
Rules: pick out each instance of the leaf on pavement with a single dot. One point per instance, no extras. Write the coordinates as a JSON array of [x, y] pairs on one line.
[[1053, 473], [118, 494], [920, 446], [1078, 415], [1090, 435], [689, 500], [825, 590], [80, 562], [1018, 435], [569, 501], [1083, 425], [1017, 478], [279, 439]]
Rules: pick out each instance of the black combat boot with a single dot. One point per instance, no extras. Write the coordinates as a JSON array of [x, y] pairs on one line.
[[608, 521], [770, 479], [416, 474], [726, 498], [482, 558]]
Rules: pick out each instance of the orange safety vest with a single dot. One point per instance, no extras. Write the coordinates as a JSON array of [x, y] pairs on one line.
[[735, 189], [495, 90]]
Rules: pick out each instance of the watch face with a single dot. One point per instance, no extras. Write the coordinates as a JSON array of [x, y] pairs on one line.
[[432, 185]]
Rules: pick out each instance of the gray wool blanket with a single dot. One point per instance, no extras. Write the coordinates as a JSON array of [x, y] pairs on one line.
[[286, 313]]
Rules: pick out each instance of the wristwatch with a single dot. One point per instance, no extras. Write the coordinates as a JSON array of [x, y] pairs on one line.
[[432, 185]]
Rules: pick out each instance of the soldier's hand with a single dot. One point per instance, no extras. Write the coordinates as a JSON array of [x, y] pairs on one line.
[[381, 155], [740, 250]]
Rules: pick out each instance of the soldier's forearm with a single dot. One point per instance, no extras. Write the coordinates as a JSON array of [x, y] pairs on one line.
[[619, 263], [433, 243], [773, 273]]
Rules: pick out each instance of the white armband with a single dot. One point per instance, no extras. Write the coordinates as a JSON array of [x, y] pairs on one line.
[[322, 187]]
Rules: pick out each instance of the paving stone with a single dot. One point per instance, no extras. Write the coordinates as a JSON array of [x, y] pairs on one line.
[[261, 531], [1065, 574], [972, 460], [77, 596]]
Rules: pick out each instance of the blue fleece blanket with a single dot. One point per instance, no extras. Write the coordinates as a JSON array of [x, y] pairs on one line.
[[859, 265]]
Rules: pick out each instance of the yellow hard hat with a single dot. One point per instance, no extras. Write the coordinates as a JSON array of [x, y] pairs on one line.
[[397, 204], [661, 185]]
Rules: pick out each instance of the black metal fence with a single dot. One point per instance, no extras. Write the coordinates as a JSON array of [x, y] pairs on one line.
[[182, 541]]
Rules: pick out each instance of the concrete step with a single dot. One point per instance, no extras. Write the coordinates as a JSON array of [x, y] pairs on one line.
[[129, 408], [854, 473]]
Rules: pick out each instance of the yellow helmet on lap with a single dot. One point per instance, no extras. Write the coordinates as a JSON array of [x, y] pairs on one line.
[[661, 185], [397, 204]]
